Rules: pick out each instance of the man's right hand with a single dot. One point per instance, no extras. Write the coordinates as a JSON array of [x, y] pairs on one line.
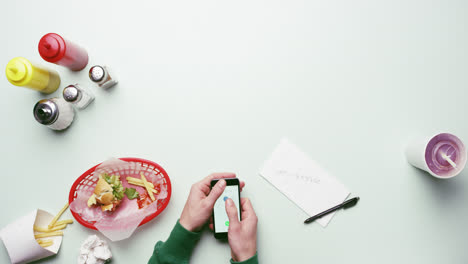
[[242, 235]]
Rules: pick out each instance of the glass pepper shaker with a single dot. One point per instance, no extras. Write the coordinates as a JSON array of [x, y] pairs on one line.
[[78, 96], [54, 113], [102, 76]]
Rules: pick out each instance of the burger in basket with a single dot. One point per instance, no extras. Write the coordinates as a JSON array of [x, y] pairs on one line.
[[109, 192], [118, 195]]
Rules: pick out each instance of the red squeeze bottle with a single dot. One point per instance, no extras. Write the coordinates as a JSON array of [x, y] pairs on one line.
[[53, 48]]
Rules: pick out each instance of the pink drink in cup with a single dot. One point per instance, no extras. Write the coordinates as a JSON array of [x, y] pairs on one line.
[[443, 155]]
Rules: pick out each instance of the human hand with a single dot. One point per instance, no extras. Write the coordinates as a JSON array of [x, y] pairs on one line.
[[242, 235], [200, 202]]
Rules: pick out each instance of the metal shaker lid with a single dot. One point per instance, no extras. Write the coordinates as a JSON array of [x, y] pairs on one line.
[[46, 112], [71, 93], [97, 73]]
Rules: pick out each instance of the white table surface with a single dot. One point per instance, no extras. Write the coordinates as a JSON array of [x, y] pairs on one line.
[[209, 86]]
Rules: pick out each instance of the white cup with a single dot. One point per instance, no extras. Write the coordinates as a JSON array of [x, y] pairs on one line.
[[425, 153]]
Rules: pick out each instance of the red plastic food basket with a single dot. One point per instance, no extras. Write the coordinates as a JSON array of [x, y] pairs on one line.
[[86, 179]]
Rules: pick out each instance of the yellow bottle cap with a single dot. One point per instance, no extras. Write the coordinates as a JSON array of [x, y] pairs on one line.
[[18, 70]]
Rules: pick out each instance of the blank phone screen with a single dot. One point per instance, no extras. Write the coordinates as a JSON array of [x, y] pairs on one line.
[[221, 220]]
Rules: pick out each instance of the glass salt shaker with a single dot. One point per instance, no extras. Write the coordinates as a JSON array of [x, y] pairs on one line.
[[102, 76], [54, 113], [78, 96]]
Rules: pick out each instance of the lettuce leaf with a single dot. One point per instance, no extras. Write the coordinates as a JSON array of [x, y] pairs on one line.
[[114, 181], [107, 178], [118, 191], [131, 193]]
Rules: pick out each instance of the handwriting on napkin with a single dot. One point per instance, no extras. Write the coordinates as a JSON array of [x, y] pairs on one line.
[[303, 181], [299, 176]]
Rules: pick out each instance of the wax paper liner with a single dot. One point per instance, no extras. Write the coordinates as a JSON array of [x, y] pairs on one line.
[[121, 223]]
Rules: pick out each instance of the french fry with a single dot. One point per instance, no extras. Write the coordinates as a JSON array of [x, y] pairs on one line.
[[148, 189], [136, 180], [49, 234], [58, 227], [64, 222], [42, 241], [46, 244], [41, 229], [46, 229], [140, 184], [52, 229], [52, 223]]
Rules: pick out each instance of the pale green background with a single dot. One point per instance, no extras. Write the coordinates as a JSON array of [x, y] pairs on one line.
[[212, 85]]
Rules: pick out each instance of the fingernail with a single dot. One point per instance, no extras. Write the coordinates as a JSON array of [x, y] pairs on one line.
[[229, 202], [222, 183]]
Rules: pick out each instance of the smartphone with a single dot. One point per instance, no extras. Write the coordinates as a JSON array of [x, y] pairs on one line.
[[220, 218]]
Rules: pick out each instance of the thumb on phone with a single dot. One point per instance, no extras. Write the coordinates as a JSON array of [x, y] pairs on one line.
[[216, 192], [231, 211]]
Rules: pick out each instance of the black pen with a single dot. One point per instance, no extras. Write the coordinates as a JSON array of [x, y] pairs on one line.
[[346, 204]]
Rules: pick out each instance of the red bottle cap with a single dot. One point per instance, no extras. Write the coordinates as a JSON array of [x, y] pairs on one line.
[[52, 47]]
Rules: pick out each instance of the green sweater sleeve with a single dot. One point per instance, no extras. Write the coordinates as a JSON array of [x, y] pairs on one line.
[[252, 260], [178, 247]]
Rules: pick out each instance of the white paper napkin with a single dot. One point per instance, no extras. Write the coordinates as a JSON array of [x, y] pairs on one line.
[[303, 181]]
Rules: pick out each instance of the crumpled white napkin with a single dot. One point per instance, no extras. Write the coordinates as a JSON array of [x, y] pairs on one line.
[[94, 251]]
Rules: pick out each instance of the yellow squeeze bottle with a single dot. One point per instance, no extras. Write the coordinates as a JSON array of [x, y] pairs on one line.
[[21, 72]]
